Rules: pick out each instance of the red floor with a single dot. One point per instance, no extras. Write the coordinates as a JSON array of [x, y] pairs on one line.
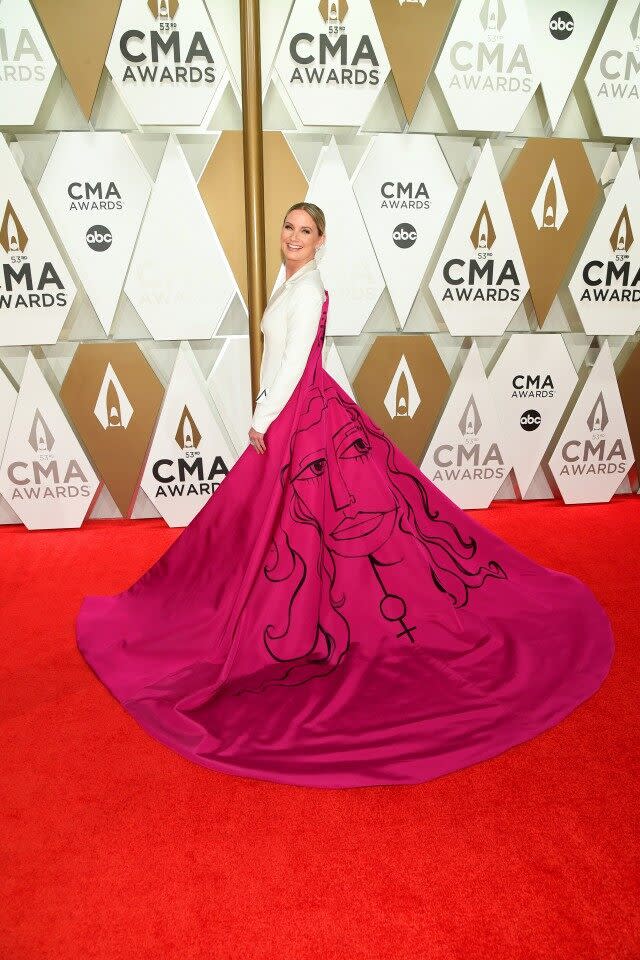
[[118, 848]]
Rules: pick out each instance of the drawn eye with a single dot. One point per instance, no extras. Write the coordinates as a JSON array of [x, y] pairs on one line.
[[359, 448], [313, 470]]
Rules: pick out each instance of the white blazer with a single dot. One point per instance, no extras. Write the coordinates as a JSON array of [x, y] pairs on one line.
[[289, 324]]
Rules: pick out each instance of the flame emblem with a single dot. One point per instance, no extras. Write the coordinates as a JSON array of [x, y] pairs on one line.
[[113, 409], [12, 235], [492, 15], [188, 436], [622, 236], [598, 418], [550, 208], [163, 9], [483, 235], [114, 413], [634, 25], [40, 437], [333, 11], [402, 396], [470, 421]]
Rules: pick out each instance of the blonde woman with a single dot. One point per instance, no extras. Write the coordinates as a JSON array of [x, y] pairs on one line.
[[330, 618]]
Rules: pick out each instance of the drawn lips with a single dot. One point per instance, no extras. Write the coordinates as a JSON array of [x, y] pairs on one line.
[[358, 526]]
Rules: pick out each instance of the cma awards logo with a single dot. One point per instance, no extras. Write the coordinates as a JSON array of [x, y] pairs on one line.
[[26, 284], [113, 408], [21, 57], [491, 63], [331, 56], [597, 454], [550, 208], [538, 386], [619, 66], [481, 276], [404, 196], [470, 458], [532, 386], [46, 477], [163, 54], [186, 474], [94, 196], [612, 280]]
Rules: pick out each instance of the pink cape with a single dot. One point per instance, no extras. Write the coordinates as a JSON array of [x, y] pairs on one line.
[[331, 618]]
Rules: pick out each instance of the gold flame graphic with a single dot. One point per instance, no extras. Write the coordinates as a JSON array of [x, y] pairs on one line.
[[163, 9], [114, 414], [483, 235], [622, 235], [550, 207], [187, 435], [12, 234], [333, 11], [402, 396]]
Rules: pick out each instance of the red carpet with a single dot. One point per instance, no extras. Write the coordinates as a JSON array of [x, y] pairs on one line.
[[118, 848]]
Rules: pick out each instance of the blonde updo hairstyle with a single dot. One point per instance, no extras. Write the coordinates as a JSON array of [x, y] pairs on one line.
[[314, 212]]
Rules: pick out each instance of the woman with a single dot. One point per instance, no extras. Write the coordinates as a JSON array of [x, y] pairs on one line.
[[330, 618]]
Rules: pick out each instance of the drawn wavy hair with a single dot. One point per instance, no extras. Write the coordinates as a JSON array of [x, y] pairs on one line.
[[450, 556]]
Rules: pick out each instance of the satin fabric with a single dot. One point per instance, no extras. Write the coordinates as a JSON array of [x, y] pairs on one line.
[[330, 618], [289, 324]]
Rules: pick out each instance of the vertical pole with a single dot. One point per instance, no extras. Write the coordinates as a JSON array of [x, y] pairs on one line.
[[253, 179]]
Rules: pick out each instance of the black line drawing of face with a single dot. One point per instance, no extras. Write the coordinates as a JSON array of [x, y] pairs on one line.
[[346, 497], [358, 509]]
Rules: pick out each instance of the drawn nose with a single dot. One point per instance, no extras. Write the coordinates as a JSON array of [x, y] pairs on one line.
[[342, 497]]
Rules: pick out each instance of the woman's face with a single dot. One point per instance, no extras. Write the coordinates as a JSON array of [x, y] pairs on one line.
[[335, 480], [299, 238]]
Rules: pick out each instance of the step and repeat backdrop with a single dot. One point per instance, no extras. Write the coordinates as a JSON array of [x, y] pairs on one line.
[[477, 162]]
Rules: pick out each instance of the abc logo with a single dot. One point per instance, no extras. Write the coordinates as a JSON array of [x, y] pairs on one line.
[[405, 235], [530, 420], [99, 238], [561, 25]]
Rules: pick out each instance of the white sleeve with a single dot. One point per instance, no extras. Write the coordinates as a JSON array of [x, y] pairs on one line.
[[303, 317]]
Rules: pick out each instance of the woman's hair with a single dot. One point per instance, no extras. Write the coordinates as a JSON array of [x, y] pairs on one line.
[[316, 214]]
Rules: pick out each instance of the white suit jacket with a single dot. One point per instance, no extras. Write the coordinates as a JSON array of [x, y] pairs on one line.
[[289, 324]]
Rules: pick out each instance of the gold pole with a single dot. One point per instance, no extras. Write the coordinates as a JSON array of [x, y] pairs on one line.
[[253, 179]]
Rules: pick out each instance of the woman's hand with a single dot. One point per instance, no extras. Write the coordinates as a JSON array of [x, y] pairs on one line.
[[257, 440]]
